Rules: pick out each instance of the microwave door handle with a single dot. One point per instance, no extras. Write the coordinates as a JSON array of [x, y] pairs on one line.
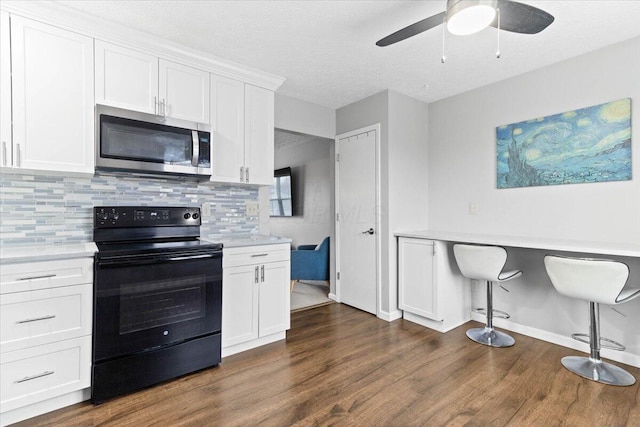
[[196, 148]]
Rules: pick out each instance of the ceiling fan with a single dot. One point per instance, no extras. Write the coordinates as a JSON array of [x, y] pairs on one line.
[[464, 17]]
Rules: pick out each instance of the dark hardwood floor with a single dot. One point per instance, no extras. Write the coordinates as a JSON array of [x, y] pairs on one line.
[[340, 366]]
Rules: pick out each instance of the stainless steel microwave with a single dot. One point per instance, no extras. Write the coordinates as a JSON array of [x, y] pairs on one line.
[[145, 143]]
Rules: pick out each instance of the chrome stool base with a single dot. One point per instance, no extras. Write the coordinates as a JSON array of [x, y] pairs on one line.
[[490, 337], [597, 370]]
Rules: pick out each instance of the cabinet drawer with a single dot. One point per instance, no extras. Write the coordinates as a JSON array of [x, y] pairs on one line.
[[250, 255], [40, 373], [40, 317], [29, 276]]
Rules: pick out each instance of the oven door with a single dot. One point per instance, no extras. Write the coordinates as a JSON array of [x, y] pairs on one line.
[[145, 302]]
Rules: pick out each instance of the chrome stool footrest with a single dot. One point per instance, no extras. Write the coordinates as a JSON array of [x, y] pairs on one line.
[[604, 342], [500, 314]]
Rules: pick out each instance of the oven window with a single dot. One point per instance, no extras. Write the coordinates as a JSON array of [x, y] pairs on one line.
[[161, 302]]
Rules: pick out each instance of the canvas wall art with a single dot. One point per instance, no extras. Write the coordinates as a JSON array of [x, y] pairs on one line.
[[591, 144]]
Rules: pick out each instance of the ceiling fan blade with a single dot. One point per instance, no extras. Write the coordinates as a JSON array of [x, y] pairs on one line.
[[413, 29], [521, 18]]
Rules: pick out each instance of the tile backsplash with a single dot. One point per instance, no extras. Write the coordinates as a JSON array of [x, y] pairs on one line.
[[41, 209]]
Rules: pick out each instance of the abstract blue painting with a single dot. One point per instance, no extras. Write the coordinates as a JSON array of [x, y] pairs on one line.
[[592, 144]]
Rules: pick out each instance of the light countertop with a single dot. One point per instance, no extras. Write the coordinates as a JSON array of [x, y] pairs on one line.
[[45, 252], [603, 248], [239, 240]]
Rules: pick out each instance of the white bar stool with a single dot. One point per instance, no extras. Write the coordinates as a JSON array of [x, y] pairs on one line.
[[598, 281], [486, 263]]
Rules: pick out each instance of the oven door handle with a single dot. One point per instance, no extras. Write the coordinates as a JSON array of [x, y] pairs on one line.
[[154, 260]]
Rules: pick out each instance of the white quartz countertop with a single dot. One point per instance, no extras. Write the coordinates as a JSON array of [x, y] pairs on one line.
[[589, 247], [240, 240], [45, 252]]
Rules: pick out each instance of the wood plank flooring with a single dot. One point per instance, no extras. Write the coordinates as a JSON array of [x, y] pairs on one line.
[[340, 366]]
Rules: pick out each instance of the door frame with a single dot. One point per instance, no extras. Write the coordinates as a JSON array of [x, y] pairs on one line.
[[378, 235]]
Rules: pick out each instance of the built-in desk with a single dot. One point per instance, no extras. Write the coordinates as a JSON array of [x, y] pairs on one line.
[[602, 248], [536, 308]]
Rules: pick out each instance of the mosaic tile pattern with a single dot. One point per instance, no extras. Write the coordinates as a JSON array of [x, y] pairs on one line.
[[44, 209]]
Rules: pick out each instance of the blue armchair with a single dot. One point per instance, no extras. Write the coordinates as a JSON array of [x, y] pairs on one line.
[[310, 262]]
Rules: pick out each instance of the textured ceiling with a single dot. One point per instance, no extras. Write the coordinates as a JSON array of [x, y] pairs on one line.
[[326, 49]]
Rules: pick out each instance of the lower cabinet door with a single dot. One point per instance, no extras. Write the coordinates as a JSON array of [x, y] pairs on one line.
[[417, 284], [275, 300], [239, 304], [43, 372]]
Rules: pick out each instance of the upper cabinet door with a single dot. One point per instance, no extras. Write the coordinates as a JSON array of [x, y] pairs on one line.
[[227, 126], [126, 78], [259, 135], [184, 92], [5, 92], [53, 97]]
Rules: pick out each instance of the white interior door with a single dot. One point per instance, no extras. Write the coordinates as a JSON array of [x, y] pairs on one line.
[[356, 226]]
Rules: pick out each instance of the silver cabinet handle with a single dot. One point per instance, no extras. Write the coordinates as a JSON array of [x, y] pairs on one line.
[[241, 173], [247, 174], [256, 274], [369, 231], [155, 105], [35, 319], [195, 141], [33, 377], [258, 255], [18, 156], [46, 276], [4, 153], [164, 107], [262, 273]]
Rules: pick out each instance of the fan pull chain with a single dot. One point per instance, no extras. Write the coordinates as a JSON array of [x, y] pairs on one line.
[[444, 31], [498, 49]]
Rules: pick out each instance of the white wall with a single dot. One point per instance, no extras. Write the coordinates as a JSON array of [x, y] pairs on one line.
[[310, 162], [300, 116], [462, 168], [403, 174], [304, 117], [462, 150]]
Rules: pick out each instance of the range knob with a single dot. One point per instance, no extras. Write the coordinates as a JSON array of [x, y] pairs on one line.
[[187, 215], [195, 215]]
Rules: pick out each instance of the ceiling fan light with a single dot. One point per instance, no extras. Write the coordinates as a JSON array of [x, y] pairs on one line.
[[466, 17]]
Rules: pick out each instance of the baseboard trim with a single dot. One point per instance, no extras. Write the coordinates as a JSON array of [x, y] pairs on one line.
[[333, 297], [564, 341], [390, 316]]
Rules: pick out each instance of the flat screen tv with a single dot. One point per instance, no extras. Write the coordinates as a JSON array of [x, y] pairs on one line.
[[282, 198]]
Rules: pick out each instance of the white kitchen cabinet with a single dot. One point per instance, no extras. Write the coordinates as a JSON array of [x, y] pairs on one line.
[[6, 156], [242, 121], [126, 78], [431, 292], [52, 98], [240, 309], [417, 278], [258, 135], [46, 311], [255, 296], [133, 80], [185, 91], [227, 129]]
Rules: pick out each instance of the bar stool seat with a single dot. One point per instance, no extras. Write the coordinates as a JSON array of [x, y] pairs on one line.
[[597, 281], [486, 263]]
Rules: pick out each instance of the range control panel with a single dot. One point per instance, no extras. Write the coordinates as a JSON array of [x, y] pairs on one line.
[[144, 216]]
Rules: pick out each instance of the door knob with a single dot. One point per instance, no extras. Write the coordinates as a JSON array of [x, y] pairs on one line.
[[369, 231]]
